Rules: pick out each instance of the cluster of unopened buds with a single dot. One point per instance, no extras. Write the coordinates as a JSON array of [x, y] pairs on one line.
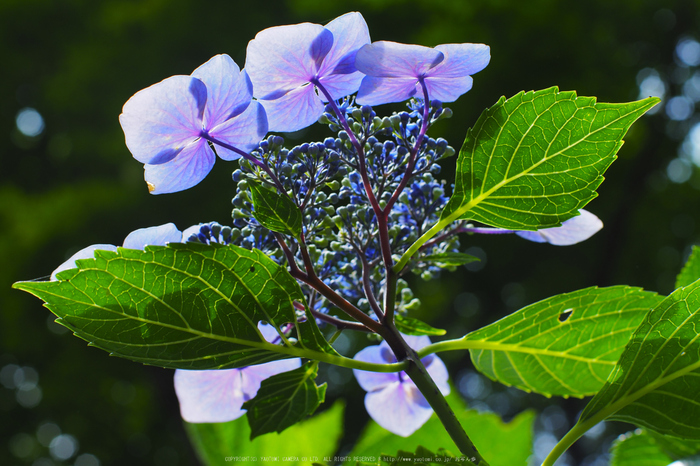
[[295, 76]]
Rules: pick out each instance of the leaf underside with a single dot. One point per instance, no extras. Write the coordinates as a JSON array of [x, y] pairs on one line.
[[186, 306], [565, 345], [532, 161]]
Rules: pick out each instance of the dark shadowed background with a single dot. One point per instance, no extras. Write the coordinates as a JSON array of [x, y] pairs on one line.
[[68, 181]]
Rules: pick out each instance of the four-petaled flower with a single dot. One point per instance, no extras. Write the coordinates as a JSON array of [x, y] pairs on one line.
[[393, 400], [217, 395], [287, 64], [396, 72], [168, 126], [137, 239]]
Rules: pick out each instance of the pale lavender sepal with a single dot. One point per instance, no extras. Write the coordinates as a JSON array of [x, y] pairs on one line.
[[153, 236], [85, 253], [447, 89], [338, 73], [283, 58], [229, 91], [243, 132], [190, 167], [377, 91], [384, 59], [293, 111], [392, 399], [210, 396], [572, 231], [399, 408], [461, 60], [161, 120]]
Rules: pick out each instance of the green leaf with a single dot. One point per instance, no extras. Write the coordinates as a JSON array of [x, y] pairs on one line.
[[275, 211], [638, 449], [534, 160], [691, 269], [411, 326], [449, 259], [655, 382], [486, 430], [285, 399], [299, 444], [565, 345], [187, 306]]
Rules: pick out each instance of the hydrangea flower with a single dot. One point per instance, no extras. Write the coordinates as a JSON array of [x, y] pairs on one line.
[[218, 395], [168, 125], [572, 231], [393, 400], [395, 71], [137, 239], [287, 63]]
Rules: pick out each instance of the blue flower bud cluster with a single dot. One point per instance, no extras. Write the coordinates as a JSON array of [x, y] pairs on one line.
[[324, 181]]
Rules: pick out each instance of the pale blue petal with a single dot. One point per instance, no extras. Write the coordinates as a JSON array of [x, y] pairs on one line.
[[190, 231], [153, 236], [370, 381], [385, 59], [295, 110], [243, 132], [447, 89], [283, 58], [417, 342], [229, 89], [461, 60], [161, 120], [338, 73], [186, 170], [400, 408], [268, 369], [85, 253], [438, 371], [210, 396], [572, 231], [377, 91]]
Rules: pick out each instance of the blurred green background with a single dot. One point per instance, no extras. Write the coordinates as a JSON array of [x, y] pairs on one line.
[[67, 181]]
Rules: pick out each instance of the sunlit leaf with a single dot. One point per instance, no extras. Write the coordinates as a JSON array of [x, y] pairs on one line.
[[691, 269], [564, 345], [447, 259], [532, 161], [638, 449], [188, 306], [411, 326], [655, 383], [275, 211]]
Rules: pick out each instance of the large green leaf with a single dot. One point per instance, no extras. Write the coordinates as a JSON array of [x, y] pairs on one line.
[[285, 399], [302, 444], [691, 269], [532, 161], [275, 211], [655, 383], [188, 306], [486, 430], [565, 345]]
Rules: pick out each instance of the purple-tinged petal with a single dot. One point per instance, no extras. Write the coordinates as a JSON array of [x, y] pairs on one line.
[[400, 408], [461, 60], [153, 236], [447, 89], [186, 170], [229, 89], [385, 59], [283, 58], [163, 119], [438, 371], [189, 231], [243, 132], [85, 253], [572, 231], [338, 73], [417, 342], [210, 396], [261, 372], [293, 111], [377, 91], [370, 381]]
